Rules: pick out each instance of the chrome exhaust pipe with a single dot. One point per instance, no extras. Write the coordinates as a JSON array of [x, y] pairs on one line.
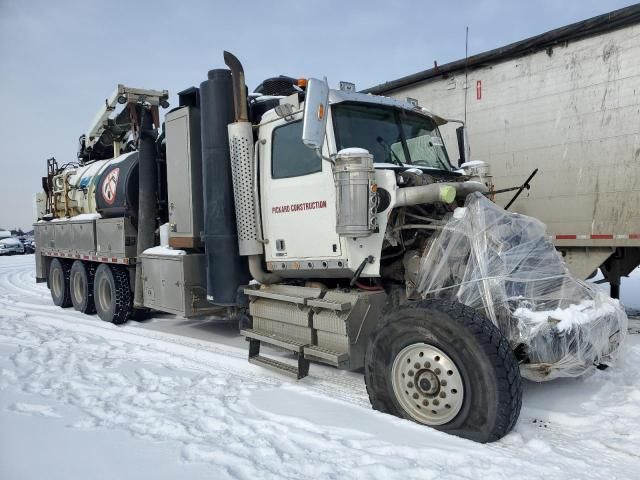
[[239, 88], [242, 165]]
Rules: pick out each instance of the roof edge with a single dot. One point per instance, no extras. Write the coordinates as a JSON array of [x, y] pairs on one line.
[[586, 28]]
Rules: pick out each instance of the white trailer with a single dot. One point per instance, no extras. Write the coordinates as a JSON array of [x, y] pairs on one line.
[[566, 102]]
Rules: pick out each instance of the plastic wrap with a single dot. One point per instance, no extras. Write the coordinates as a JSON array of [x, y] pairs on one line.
[[503, 264]]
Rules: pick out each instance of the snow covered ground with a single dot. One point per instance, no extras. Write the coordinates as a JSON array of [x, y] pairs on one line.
[[174, 398]]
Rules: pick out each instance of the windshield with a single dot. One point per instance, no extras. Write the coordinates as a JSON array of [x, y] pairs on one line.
[[390, 134]]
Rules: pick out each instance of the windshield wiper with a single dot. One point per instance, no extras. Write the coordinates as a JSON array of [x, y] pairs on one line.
[[444, 165], [425, 163], [440, 160], [390, 152]]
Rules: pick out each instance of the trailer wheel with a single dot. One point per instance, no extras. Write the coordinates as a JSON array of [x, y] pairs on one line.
[[81, 286], [444, 365], [59, 282], [112, 294]]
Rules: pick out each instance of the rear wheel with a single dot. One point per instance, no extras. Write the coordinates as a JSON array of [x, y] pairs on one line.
[[59, 271], [447, 366], [81, 286], [112, 295]]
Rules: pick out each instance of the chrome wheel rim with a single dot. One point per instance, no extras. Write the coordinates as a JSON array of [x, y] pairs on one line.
[[427, 384], [78, 288], [104, 294], [56, 282]]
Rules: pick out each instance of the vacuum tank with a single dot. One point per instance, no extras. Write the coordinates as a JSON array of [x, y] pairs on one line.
[[108, 187]]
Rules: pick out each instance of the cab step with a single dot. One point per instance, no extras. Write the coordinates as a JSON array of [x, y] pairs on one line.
[[279, 341], [325, 355], [256, 337], [280, 367]]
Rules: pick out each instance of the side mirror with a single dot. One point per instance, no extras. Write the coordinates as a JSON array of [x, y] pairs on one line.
[[316, 106], [463, 144]]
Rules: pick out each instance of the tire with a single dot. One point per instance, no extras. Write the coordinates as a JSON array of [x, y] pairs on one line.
[[59, 271], [461, 376], [81, 286], [112, 295]]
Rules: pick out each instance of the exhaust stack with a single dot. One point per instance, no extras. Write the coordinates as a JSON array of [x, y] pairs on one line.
[[226, 270], [244, 171], [147, 174]]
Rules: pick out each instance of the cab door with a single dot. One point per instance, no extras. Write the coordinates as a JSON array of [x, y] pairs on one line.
[[298, 196]]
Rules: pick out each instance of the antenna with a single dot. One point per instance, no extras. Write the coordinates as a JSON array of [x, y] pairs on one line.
[[466, 72]]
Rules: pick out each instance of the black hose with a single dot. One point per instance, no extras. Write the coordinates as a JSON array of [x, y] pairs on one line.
[[359, 270]]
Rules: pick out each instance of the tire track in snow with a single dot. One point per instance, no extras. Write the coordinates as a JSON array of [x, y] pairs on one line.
[[167, 387], [346, 386], [155, 394]]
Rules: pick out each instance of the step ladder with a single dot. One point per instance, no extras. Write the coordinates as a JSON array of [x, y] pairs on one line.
[[282, 320], [256, 337], [330, 327]]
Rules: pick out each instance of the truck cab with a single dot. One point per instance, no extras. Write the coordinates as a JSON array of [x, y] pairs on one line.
[[297, 193]]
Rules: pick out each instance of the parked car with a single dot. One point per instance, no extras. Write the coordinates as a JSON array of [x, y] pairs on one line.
[[11, 246], [29, 246]]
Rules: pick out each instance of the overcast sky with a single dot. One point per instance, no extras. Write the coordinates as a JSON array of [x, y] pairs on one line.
[[60, 59]]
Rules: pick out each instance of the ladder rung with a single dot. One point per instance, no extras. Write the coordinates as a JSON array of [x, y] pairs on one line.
[[276, 366], [276, 296], [337, 359], [273, 339], [301, 371], [329, 305]]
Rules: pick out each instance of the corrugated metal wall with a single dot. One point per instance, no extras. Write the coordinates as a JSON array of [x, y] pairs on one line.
[[574, 113]]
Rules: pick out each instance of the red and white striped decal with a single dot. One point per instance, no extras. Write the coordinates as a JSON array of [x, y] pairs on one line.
[[597, 236], [94, 258]]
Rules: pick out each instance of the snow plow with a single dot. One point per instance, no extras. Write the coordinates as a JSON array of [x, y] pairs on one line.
[[312, 217]]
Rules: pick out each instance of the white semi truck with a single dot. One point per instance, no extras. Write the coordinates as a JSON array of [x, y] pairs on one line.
[[566, 103], [299, 211]]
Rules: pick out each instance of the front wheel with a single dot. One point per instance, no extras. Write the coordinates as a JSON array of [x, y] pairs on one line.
[[447, 366]]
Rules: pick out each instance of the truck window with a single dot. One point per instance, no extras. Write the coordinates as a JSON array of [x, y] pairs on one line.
[[391, 135], [289, 156]]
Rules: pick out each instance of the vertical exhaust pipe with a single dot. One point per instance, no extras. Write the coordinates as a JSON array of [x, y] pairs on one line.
[[226, 269], [239, 89], [147, 173], [242, 163]]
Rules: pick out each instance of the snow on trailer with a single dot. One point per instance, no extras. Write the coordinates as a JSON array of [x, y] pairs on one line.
[[565, 103], [303, 218]]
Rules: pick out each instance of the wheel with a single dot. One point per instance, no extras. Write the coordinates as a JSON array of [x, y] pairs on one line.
[[444, 365], [59, 282], [112, 294], [81, 286]]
